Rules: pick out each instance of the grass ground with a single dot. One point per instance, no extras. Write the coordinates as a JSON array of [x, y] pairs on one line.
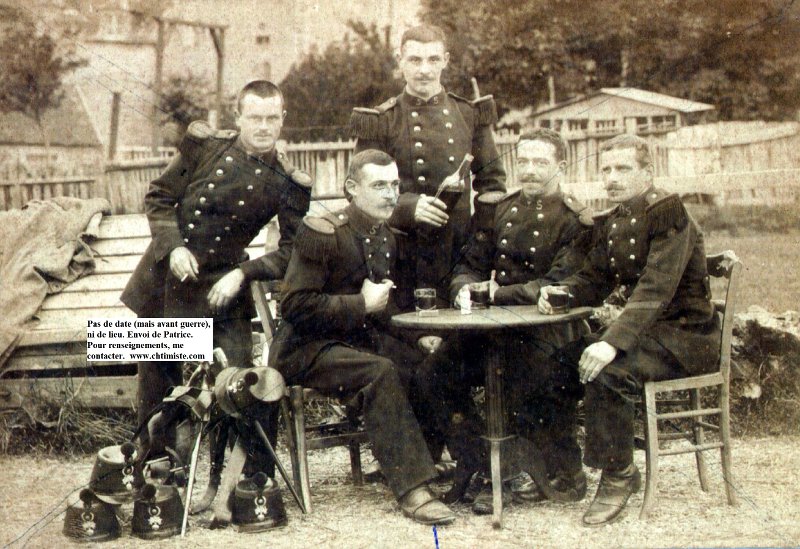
[[771, 267]]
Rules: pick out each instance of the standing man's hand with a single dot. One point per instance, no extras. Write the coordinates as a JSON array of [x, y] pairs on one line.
[[430, 211], [376, 296], [223, 292], [183, 264], [453, 182], [594, 358]]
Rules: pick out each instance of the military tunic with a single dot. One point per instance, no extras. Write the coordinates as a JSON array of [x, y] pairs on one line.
[[529, 243], [213, 199], [649, 253], [429, 139], [329, 342]]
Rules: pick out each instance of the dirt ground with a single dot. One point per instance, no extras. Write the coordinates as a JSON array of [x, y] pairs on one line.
[[34, 491]]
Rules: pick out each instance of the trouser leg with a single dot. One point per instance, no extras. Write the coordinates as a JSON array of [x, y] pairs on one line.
[[372, 385], [543, 398], [610, 399], [154, 380]]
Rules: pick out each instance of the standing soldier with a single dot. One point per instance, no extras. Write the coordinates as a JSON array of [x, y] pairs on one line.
[[430, 132], [214, 197], [648, 261], [533, 237]]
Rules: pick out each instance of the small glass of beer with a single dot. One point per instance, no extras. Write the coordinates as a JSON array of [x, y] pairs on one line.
[[558, 297], [479, 295], [425, 301]]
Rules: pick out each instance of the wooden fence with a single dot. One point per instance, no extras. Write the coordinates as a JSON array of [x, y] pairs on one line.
[[770, 175], [15, 194]]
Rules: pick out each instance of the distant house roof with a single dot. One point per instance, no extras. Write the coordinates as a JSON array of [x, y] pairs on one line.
[[67, 126], [642, 96]]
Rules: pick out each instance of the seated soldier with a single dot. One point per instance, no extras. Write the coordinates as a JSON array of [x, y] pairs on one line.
[[648, 261], [531, 237], [334, 336]]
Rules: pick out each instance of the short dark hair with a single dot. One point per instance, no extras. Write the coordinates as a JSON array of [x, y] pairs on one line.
[[261, 88], [630, 141], [361, 159], [424, 34], [548, 136]]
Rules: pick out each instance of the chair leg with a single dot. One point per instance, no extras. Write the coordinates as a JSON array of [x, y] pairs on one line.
[[298, 415], [651, 438], [355, 462], [725, 435], [291, 440], [699, 438]]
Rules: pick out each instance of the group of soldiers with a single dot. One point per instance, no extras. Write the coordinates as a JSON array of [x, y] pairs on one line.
[[409, 225]]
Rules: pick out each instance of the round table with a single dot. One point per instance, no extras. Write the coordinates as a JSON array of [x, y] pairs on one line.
[[493, 319]]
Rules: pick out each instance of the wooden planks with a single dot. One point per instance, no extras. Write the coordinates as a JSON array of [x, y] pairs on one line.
[[93, 392]]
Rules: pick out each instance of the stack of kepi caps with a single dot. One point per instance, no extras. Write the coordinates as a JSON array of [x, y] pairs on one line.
[[157, 509]]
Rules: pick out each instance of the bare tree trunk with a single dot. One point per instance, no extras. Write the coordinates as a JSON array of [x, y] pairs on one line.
[[551, 90], [624, 58], [46, 140]]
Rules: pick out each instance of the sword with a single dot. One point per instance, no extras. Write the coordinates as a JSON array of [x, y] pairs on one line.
[[271, 451], [192, 470]]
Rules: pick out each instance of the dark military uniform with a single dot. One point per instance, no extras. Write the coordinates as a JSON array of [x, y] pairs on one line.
[[327, 340], [428, 140], [213, 199], [530, 244], [649, 254]]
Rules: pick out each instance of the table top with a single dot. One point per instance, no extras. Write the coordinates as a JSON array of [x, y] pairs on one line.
[[493, 318]]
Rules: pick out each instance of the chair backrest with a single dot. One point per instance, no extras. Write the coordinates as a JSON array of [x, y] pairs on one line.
[[726, 265]]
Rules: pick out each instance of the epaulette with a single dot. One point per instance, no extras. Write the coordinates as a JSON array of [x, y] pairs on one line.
[[494, 197], [298, 176], [584, 212], [200, 129], [665, 211], [485, 110], [365, 123], [315, 239]]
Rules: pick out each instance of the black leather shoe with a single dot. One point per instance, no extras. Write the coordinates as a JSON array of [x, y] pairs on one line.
[[570, 487], [484, 502], [612, 495], [529, 492], [422, 506], [446, 469]]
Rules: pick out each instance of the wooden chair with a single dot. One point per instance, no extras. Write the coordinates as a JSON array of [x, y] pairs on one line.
[[728, 266], [342, 433]]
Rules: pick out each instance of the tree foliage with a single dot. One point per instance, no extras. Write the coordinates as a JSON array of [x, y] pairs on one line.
[[321, 90], [740, 56], [33, 66]]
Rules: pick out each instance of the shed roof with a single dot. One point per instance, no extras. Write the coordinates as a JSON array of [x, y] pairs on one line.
[[642, 96]]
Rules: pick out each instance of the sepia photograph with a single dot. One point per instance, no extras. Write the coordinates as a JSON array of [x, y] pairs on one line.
[[399, 273]]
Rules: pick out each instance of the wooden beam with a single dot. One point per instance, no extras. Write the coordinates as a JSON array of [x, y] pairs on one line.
[[159, 70], [218, 36], [92, 392]]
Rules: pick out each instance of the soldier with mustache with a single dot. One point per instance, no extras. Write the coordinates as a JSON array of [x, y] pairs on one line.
[[531, 237], [649, 262], [335, 336], [429, 131], [214, 197]]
